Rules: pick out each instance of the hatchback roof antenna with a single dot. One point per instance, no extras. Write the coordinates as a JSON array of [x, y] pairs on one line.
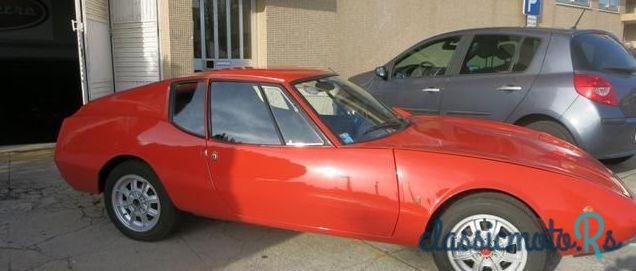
[[579, 19]]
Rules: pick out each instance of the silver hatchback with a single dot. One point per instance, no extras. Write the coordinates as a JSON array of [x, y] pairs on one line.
[[578, 85]]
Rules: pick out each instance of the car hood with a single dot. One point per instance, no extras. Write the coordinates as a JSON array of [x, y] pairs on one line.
[[502, 142]]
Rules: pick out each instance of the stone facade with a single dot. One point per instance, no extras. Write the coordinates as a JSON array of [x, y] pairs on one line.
[[175, 37], [351, 36]]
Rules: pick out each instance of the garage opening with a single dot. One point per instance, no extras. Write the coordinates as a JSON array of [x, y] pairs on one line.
[[39, 68], [56, 55]]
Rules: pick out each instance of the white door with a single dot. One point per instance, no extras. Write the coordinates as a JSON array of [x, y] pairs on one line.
[[93, 38], [135, 39], [223, 33]]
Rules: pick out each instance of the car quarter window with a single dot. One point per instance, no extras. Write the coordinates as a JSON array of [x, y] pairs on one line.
[[240, 114], [431, 59], [188, 107], [499, 54], [291, 121]]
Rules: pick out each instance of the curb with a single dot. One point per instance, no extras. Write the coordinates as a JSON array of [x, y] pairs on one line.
[[26, 148]]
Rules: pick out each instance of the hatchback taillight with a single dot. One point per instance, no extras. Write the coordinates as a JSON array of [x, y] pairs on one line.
[[595, 88]]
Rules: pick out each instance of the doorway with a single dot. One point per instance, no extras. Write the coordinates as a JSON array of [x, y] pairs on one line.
[[39, 70], [223, 33]]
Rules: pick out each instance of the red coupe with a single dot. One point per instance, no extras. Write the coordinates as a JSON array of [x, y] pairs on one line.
[[302, 149]]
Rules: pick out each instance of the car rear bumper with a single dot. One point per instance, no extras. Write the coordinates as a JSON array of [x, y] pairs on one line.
[[601, 130], [616, 138]]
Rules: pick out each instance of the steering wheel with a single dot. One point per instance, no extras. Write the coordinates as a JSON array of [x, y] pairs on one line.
[[427, 64]]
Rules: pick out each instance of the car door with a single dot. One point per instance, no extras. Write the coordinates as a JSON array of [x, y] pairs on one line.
[[418, 76], [494, 76], [272, 166], [183, 140]]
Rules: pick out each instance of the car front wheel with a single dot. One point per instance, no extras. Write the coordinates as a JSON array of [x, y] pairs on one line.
[[496, 220], [137, 203]]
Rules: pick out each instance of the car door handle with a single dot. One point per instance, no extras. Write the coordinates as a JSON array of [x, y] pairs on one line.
[[509, 88], [214, 156], [431, 89]]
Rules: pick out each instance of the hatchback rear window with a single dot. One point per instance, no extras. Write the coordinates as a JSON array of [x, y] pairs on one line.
[[600, 52]]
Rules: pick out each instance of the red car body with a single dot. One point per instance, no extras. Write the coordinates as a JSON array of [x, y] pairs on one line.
[[387, 190]]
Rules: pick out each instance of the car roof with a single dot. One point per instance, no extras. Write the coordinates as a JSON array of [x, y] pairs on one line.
[[526, 30], [273, 75]]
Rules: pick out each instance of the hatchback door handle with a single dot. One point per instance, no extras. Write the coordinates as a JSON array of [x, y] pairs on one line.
[[509, 88], [431, 89]]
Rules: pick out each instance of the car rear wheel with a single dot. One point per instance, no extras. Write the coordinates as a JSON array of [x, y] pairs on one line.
[[553, 128], [137, 203], [485, 216]]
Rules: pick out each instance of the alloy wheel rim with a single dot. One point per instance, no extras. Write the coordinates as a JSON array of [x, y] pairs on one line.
[[509, 254], [136, 203]]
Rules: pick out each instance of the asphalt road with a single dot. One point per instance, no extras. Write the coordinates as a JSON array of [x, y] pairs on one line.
[[45, 225]]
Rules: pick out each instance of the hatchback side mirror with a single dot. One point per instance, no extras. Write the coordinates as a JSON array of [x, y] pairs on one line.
[[381, 72]]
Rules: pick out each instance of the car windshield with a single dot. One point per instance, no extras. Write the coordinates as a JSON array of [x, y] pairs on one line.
[[349, 111]]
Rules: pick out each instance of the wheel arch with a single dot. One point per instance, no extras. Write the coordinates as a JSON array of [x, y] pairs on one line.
[[527, 119], [111, 164], [439, 210]]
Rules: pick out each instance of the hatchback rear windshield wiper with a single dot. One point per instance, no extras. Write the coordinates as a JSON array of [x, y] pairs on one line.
[[621, 69]]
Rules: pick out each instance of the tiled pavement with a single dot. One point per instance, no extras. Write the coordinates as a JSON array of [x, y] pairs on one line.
[[44, 225]]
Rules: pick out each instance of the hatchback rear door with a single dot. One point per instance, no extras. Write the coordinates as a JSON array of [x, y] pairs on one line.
[[494, 76], [601, 54]]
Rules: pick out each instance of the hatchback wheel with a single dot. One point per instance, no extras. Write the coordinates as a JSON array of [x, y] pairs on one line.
[[615, 161], [137, 203], [484, 215], [552, 128]]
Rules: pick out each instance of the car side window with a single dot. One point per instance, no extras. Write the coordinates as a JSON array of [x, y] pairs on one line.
[[432, 59], [499, 54], [188, 107], [240, 114], [291, 121]]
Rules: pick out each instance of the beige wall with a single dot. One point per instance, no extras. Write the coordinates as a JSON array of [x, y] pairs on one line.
[[353, 36], [301, 32], [629, 16], [175, 37]]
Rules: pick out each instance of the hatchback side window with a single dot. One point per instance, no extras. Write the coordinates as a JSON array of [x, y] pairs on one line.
[[188, 107], [290, 119], [499, 54], [240, 114], [432, 59]]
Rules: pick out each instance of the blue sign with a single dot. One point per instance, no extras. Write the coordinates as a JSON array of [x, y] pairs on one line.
[[532, 7]]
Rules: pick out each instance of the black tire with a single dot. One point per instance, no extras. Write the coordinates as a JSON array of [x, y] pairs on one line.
[[553, 128], [502, 206], [168, 216], [616, 161]]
